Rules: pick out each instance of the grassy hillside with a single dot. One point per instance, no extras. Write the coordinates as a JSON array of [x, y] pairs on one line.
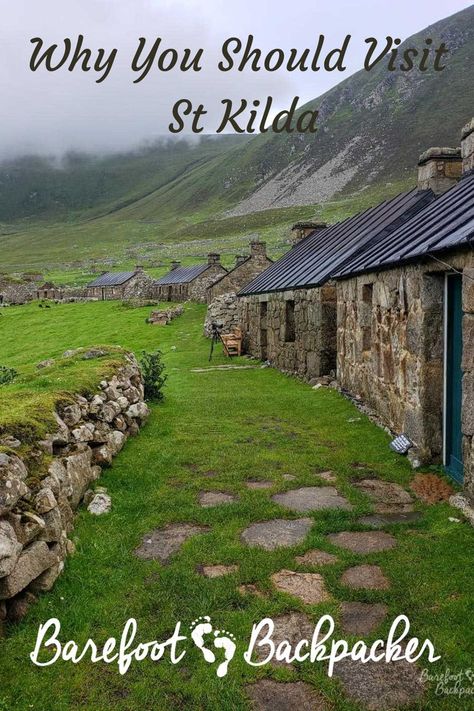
[[181, 199]]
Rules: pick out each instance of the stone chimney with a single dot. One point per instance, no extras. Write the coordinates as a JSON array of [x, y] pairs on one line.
[[467, 147], [439, 169], [213, 258], [239, 259], [138, 268], [258, 249], [302, 229], [175, 264]]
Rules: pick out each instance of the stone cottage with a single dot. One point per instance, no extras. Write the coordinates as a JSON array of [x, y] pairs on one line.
[[406, 319], [49, 291], [288, 313], [189, 283], [121, 285], [245, 270]]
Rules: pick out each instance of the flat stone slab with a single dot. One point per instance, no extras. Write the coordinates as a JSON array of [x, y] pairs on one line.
[[277, 533], [307, 587], [162, 543], [362, 618], [293, 627], [312, 498], [365, 577], [387, 496], [209, 499], [316, 557], [380, 686], [260, 484], [381, 520], [270, 695], [363, 542], [217, 571], [289, 477]]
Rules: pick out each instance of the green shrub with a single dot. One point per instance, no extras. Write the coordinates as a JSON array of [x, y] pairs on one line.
[[7, 375], [152, 370]]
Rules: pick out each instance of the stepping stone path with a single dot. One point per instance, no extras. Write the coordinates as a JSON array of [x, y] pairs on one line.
[[326, 476], [316, 557], [387, 496], [365, 577], [217, 571], [270, 695], [379, 686], [277, 533], [381, 520], [308, 587], [362, 618], [312, 498], [260, 484], [365, 542], [431, 488], [162, 543], [291, 627], [209, 499]]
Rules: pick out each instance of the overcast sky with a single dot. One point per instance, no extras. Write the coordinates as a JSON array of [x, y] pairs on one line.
[[53, 112]]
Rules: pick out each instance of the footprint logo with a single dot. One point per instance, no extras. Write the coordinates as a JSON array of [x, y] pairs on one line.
[[222, 640]]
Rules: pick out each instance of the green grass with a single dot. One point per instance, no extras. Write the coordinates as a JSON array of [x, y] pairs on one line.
[[241, 424]]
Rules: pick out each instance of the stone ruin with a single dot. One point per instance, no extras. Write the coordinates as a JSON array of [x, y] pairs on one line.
[[164, 316], [37, 514], [224, 311]]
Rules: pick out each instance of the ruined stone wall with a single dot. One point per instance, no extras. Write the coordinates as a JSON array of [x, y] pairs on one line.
[[240, 276], [198, 287], [391, 350], [16, 292], [37, 514], [307, 350]]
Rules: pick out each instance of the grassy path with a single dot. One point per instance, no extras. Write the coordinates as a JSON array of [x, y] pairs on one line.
[[238, 425]]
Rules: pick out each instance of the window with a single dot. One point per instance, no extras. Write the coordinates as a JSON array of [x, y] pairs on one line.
[[366, 316], [289, 321]]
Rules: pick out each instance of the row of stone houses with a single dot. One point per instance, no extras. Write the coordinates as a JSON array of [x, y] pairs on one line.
[[385, 299]]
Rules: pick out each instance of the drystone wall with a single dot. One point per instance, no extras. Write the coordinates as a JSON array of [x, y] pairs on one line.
[[294, 330], [224, 311], [16, 292], [37, 514]]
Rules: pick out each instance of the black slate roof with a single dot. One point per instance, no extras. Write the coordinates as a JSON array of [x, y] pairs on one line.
[[182, 275], [446, 223], [112, 279], [314, 260]]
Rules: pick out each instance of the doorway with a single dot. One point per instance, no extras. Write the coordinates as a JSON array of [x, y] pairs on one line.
[[453, 459], [263, 330]]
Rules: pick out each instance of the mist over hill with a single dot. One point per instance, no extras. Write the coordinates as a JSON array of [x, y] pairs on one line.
[[372, 128]]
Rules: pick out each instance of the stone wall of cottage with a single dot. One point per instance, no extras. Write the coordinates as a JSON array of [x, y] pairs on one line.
[[224, 310], [37, 514], [240, 276], [294, 330], [198, 287], [391, 350]]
